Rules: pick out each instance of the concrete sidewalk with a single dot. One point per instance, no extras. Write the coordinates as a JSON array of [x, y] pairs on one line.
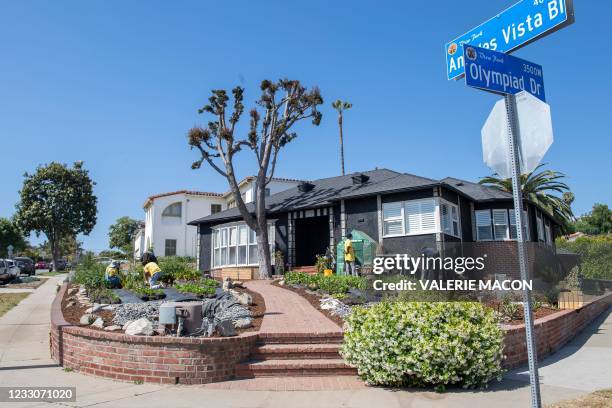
[[581, 366]]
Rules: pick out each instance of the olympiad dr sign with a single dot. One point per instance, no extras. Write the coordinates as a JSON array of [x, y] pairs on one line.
[[511, 29], [501, 73]]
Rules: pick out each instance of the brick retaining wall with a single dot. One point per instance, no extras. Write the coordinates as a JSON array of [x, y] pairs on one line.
[[552, 331], [167, 360]]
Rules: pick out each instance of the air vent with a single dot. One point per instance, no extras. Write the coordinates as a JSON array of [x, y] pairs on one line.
[[459, 184], [360, 178], [305, 186]]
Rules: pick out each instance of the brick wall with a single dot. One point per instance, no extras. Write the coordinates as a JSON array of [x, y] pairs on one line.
[[552, 331], [166, 360]]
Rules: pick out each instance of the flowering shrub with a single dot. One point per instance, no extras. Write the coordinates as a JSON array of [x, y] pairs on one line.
[[424, 344]]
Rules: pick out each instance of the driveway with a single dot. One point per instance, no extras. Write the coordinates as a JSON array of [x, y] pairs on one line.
[[580, 367]]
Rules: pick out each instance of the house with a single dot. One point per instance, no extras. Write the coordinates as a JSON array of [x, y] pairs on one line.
[[403, 212], [166, 230]]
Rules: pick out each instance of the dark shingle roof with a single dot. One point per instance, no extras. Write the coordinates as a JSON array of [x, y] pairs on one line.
[[328, 190]]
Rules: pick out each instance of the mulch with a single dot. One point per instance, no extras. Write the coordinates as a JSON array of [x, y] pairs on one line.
[[313, 300], [73, 314]]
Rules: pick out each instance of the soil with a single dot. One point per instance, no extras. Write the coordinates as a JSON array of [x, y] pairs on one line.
[[74, 313], [313, 300], [538, 314]]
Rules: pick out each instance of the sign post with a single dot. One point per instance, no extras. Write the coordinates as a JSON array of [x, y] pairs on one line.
[[513, 144]]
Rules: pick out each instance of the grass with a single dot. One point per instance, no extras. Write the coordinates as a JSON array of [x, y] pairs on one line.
[[10, 300], [598, 399], [50, 273]]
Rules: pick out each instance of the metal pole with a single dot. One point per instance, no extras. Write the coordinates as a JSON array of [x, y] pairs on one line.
[[513, 144]]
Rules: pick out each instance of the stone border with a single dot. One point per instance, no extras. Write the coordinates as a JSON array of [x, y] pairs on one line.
[[552, 331], [166, 360]]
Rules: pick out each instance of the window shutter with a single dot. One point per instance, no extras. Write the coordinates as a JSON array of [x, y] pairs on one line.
[[500, 224], [483, 224], [428, 216], [413, 217]]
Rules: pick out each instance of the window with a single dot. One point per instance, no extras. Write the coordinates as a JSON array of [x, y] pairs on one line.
[[393, 219], [483, 225], [449, 216], [237, 245], [170, 247], [500, 224], [513, 225], [215, 208], [173, 210], [267, 192], [548, 236], [540, 226]]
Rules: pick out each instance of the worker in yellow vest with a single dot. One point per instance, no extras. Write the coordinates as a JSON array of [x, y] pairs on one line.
[[349, 256]]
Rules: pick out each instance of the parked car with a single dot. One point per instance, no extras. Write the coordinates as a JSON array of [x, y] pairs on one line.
[[8, 270], [41, 265], [61, 265], [25, 265]]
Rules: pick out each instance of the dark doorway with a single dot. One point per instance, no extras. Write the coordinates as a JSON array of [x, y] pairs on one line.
[[311, 239]]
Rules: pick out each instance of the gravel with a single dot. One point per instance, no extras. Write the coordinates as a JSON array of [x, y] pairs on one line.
[[335, 307], [127, 312]]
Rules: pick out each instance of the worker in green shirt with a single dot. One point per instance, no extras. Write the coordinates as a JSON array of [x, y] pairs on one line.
[[349, 256]]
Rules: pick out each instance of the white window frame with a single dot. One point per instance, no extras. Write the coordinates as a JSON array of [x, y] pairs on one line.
[[449, 218], [547, 234], [478, 238], [404, 215], [505, 224], [220, 246], [540, 226]]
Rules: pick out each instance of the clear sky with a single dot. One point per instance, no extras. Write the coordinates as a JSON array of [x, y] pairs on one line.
[[118, 84]]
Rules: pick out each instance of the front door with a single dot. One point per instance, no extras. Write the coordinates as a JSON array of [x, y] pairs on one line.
[[311, 239]]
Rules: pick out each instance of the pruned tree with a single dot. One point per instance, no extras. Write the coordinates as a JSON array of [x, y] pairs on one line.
[[341, 106], [283, 104], [59, 202]]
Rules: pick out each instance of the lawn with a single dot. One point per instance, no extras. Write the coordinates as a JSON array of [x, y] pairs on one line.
[[50, 273], [598, 399], [10, 300]]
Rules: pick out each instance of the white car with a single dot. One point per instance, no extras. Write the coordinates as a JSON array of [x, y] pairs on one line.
[[8, 270]]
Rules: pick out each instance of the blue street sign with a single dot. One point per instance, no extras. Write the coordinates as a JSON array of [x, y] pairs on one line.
[[513, 28], [502, 73]]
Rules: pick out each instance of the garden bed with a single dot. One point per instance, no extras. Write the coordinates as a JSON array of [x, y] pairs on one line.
[[313, 299]]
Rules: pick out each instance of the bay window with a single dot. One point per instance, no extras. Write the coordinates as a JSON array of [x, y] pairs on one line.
[[236, 245], [412, 217]]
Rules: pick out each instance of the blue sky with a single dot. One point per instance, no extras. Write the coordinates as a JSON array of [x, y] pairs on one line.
[[118, 84]]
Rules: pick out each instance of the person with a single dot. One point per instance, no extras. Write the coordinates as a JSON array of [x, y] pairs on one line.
[[349, 255], [111, 275], [152, 271]]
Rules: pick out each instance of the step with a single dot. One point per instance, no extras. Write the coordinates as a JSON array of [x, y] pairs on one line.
[[296, 351], [304, 338], [297, 367], [306, 269]]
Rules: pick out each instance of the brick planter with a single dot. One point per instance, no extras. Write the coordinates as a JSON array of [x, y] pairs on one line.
[[552, 331], [167, 360]]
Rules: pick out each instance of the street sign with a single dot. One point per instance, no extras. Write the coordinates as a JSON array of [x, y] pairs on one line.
[[500, 73], [535, 135], [511, 29]]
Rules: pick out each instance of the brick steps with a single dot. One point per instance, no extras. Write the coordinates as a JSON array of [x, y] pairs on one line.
[[301, 338], [296, 351], [306, 269], [298, 367]]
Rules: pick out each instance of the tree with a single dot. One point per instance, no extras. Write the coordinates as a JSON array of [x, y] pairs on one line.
[[121, 233], [59, 202], [218, 144], [538, 187], [341, 106], [68, 246], [598, 221], [10, 235]]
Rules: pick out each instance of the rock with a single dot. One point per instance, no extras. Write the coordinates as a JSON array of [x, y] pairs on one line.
[[243, 298], [127, 312], [238, 284], [82, 290], [281, 282], [226, 328], [334, 306], [243, 323], [99, 323], [227, 283], [72, 291], [96, 307], [125, 326], [113, 327], [87, 319], [140, 327], [72, 303]]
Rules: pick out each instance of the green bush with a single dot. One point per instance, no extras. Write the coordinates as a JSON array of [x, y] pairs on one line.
[[329, 284], [179, 268], [424, 344], [596, 254], [204, 287], [90, 274]]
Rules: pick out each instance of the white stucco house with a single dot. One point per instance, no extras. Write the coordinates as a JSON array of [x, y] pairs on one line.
[[166, 216]]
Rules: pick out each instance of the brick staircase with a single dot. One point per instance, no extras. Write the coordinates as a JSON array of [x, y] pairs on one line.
[[283, 354], [306, 269]]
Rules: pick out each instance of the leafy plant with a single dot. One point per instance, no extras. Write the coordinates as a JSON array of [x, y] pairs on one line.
[[328, 284], [200, 290], [424, 344], [509, 307], [596, 254], [103, 295], [322, 262], [178, 268], [90, 274], [279, 263]]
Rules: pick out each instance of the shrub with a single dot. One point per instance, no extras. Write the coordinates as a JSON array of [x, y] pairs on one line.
[[103, 295], [328, 284], [596, 254], [90, 274], [424, 344], [201, 289], [179, 268]]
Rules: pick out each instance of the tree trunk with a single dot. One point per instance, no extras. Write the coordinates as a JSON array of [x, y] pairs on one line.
[[263, 245], [54, 241], [341, 143]]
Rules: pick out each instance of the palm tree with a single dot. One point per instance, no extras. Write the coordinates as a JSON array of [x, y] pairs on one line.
[[341, 106], [538, 187]]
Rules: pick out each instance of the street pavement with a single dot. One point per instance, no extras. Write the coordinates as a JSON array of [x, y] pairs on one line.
[[579, 368]]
